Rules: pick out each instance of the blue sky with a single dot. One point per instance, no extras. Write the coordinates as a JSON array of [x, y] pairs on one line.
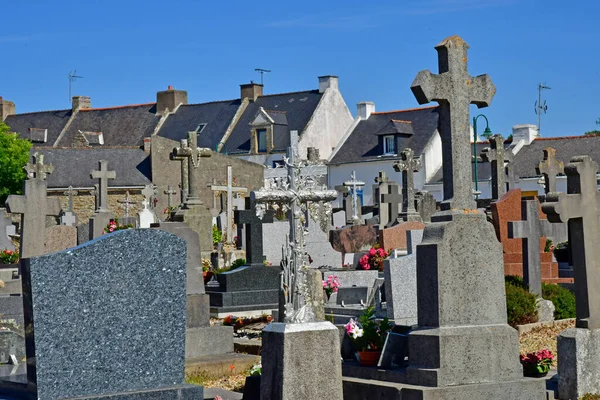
[[128, 50]]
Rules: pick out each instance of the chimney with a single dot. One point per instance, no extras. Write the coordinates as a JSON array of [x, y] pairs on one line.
[[251, 91], [170, 99], [525, 133], [328, 81], [364, 109], [147, 145], [79, 102], [6, 108]]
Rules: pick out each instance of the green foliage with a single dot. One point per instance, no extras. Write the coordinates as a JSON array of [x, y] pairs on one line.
[[217, 235], [520, 303], [590, 397], [563, 300], [374, 334], [592, 133], [548, 246], [14, 155], [240, 262]]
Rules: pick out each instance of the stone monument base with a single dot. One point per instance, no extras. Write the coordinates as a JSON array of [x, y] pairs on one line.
[[301, 361], [98, 222], [209, 340], [182, 392], [579, 351]]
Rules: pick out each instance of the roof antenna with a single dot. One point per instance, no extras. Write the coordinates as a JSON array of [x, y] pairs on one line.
[[72, 78], [541, 107], [262, 73]]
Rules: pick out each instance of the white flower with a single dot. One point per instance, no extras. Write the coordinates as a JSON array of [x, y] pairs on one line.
[[356, 332]]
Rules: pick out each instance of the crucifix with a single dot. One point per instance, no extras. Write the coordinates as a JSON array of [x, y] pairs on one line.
[[189, 150], [33, 206], [408, 165], [549, 167], [170, 192], [580, 207], [230, 189], [454, 89], [497, 155], [126, 202], [356, 203], [103, 175]]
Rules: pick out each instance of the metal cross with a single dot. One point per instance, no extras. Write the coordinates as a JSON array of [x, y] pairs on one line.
[[355, 185], [230, 189], [189, 149], [549, 167], [103, 175]]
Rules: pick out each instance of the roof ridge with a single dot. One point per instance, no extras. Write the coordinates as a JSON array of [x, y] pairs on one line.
[[286, 93], [406, 110], [116, 107], [567, 137], [39, 112], [401, 120], [210, 102]]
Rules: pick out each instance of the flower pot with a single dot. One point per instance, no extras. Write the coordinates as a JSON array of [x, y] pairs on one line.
[[532, 370], [368, 358], [207, 275], [561, 255]]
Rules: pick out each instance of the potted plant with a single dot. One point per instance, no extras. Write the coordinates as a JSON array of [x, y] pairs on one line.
[[114, 225], [537, 364], [368, 336], [9, 256], [374, 258], [331, 285], [206, 270], [561, 251]]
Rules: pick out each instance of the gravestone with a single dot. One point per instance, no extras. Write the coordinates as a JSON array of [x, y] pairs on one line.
[[68, 217], [352, 295], [127, 203], [103, 215], [394, 238], [408, 165], [400, 277], [353, 239], [460, 281], [5, 225], [426, 205], [33, 206], [60, 237], [146, 217], [117, 334], [496, 155], [391, 203], [318, 247], [580, 207], [230, 190], [83, 233], [339, 219], [549, 167]]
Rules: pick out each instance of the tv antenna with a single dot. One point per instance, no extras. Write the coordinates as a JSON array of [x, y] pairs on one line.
[[262, 73], [72, 78], [541, 107]]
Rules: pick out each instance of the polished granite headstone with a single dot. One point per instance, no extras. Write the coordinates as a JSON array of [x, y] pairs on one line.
[[107, 320]]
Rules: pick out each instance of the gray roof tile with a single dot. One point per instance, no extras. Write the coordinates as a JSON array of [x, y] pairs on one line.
[[53, 121]]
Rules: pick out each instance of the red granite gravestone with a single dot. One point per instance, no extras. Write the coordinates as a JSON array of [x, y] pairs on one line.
[[395, 237]]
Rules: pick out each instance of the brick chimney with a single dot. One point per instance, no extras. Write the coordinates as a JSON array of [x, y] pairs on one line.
[[328, 81], [79, 102], [251, 91], [6, 108], [364, 109], [170, 99]]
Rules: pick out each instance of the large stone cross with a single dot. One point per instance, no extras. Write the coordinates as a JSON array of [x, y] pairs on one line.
[[37, 169], [392, 199], [580, 207], [454, 89], [355, 185], [253, 231], [531, 229], [189, 150], [550, 166], [408, 165], [33, 206], [103, 175], [230, 189], [497, 155]]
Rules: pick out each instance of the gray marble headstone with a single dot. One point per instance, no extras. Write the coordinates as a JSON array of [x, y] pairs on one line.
[[5, 225], [120, 327]]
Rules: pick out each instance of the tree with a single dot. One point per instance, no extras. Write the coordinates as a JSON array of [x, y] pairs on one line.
[[594, 132], [14, 155]]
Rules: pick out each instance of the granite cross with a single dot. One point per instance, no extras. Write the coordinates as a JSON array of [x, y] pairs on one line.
[[126, 203], [170, 192], [355, 185], [549, 167], [230, 189], [382, 177], [189, 149], [380, 187], [392, 199], [497, 155], [70, 192], [103, 175], [253, 231], [511, 177], [580, 207], [33, 206], [454, 89], [531, 229], [408, 165]]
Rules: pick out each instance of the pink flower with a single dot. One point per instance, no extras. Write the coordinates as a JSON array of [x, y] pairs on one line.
[[372, 251], [111, 229]]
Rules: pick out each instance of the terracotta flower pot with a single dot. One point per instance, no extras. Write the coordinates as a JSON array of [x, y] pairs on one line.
[[207, 275], [368, 358]]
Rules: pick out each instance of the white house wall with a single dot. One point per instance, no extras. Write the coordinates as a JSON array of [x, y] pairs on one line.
[[432, 156]]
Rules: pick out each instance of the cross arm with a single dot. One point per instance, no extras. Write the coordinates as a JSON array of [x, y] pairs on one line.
[[53, 207], [482, 90], [15, 204], [561, 207], [517, 230], [424, 87]]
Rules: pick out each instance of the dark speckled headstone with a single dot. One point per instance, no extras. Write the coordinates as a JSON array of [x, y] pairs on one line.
[[107, 319]]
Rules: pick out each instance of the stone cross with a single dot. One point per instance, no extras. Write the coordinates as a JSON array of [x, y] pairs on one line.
[[355, 185], [230, 189], [38, 169], [497, 155], [126, 203], [392, 200], [189, 150], [33, 206], [253, 231], [70, 192], [382, 177], [381, 187], [408, 165], [511, 177], [454, 89], [170, 192], [531, 229], [549, 167], [148, 192], [103, 175], [580, 207], [96, 193]]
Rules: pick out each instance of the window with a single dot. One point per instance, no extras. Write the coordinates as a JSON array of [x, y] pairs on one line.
[[389, 145], [261, 138]]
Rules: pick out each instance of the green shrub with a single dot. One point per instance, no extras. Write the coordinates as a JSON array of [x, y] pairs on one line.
[[520, 303], [240, 262], [563, 300], [516, 281]]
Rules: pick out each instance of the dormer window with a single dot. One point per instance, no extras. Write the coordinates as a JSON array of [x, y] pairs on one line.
[[38, 135], [261, 138], [389, 145]]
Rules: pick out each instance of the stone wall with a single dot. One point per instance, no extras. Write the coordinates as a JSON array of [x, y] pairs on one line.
[[84, 203]]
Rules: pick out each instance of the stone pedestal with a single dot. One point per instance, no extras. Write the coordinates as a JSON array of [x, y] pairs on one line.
[[199, 219], [98, 222], [301, 361], [579, 358]]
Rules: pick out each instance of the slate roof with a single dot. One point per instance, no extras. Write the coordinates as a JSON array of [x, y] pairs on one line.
[[53, 121], [299, 108], [72, 166], [120, 126], [216, 115], [362, 144], [529, 157]]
